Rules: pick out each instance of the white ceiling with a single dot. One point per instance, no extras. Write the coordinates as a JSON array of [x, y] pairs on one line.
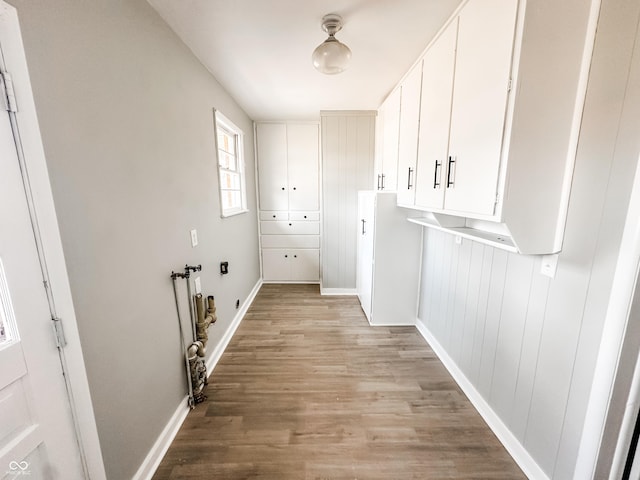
[[260, 50]]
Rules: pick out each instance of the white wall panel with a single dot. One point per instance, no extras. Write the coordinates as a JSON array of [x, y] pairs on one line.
[[471, 311], [457, 326], [492, 322], [347, 166], [510, 334], [528, 357], [481, 313]]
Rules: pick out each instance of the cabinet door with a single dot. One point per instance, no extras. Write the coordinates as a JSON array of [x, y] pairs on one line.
[[364, 273], [480, 92], [390, 138], [305, 265], [435, 117], [408, 139], [379, 143], [272, 166], [276, 265], [303, 155]]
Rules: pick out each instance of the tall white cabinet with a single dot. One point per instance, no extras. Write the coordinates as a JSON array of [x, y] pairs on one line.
[[388, 262], [289, 196]]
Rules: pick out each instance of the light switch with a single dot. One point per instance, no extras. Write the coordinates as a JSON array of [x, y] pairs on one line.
[[194, 238], [549, 265], [197, 285]]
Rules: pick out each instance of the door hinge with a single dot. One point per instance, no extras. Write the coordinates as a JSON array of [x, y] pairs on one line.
[[8, 93], [58, 331]]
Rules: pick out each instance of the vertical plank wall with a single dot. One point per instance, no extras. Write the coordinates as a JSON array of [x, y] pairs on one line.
[[347, 166], [528, 343]]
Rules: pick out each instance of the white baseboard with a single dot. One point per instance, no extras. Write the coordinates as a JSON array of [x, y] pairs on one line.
[[157, 452], [162, 444], [214, 358], [390, 324], [337, 291], [528, 465]]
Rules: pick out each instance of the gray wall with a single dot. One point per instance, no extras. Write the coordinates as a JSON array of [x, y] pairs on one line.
[[528, 343], [348, 140], [125, 111]]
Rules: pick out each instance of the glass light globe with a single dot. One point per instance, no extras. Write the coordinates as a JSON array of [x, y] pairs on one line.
[[331, 56]]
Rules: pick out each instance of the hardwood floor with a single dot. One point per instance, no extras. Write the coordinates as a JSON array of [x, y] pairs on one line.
[[308, 390]]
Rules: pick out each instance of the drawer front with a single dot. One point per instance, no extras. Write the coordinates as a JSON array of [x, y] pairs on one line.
[[289, 228], [305, 216], [290, 241], [274, 215]]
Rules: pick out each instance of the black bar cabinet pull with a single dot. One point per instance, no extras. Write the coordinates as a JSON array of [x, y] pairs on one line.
[[449, 181], [409, 185], [436, 176], [383, 177], [363, 222]]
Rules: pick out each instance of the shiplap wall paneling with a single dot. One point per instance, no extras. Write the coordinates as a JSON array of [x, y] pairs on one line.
[[528, 357], [517, 285], [474, 289], [348, 140]]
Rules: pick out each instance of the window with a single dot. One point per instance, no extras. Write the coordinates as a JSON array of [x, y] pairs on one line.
[[229, 141], [8, 328]]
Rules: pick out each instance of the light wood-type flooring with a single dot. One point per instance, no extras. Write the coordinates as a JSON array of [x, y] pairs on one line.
[[307, 390]]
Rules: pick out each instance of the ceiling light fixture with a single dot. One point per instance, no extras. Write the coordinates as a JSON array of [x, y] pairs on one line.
[[331, 56]]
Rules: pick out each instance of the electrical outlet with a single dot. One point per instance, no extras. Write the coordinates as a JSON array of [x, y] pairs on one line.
[[198, 286], [549, 265], [194, 237]]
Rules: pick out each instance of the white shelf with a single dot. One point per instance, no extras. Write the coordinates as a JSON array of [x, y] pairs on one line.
[[498, 240]]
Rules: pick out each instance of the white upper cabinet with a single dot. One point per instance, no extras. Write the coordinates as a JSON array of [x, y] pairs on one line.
[[480, 92], [387, 132], [408, 139], [288, 166], [502, 94], [435, 111]]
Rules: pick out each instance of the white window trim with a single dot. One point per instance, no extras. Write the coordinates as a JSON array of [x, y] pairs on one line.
[[219, 118]]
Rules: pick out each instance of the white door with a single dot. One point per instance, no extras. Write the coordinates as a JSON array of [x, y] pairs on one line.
[[435, 115], [305, 265], [408, 139], [276, 265], [303, 167], [390, 132], [366, 225], [271, 141], [37, 437], [480, 93]]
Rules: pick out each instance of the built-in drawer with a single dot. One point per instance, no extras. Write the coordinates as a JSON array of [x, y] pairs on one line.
[[289, 228], [304, 216], [290, 241], [273, 215]]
